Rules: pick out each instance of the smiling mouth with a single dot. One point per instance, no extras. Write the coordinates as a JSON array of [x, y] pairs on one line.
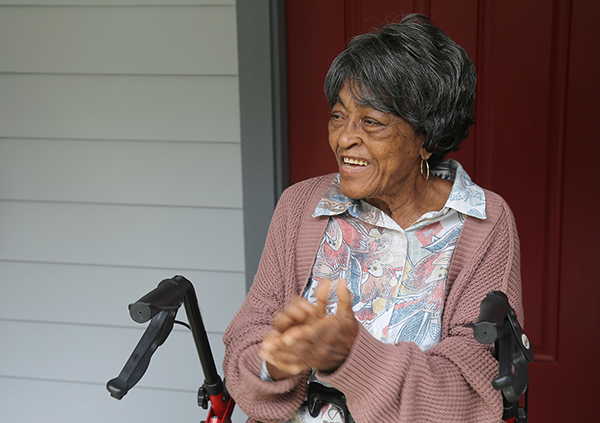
[[356, 162]]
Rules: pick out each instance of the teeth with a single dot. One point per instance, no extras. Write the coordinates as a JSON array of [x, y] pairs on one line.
[[355, 161]]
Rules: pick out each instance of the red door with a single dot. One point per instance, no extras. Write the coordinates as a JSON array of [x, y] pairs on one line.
[[534, 143]]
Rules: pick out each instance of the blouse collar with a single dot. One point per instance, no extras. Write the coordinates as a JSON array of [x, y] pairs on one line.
[[465, 197]]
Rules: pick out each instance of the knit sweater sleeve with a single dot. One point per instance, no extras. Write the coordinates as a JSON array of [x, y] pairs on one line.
[[277, 281], [451, 381]]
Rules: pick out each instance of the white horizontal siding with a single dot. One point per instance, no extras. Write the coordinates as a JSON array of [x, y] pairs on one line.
[[26, 355], [99, 295], [117, 2], [151, 173], [194, 108], [77, 402], [100, 40], [175, 238], [119, 167]]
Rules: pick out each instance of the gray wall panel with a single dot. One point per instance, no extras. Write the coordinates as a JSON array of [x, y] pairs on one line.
[[24, 400], [98, 295], [159, 108], [117, 2], [184, 238], [152, 173], [26, 355], [120, 165], [116, 40]]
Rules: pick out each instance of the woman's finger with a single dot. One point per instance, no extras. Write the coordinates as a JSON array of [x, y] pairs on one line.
[[322, 295], [344, 300], [299, 312]]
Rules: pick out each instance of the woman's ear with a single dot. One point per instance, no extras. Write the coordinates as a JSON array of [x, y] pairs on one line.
[[425, 155]]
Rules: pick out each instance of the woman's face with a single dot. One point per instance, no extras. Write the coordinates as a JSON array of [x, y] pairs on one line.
[[378, 153]]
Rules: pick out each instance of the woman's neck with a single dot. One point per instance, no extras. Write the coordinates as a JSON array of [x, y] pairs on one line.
[[412, 203]]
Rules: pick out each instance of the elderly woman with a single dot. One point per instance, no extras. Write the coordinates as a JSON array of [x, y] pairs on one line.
[[368, 275]]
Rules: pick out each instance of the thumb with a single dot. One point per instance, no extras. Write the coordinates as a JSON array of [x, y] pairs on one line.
[[322, 295], [344, 300]]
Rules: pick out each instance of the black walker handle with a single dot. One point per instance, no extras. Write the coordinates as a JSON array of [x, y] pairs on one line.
[[497, 323], [155, 335], [160, 306]]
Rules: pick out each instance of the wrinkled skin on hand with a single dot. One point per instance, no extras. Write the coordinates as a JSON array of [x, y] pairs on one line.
[[304, 337]]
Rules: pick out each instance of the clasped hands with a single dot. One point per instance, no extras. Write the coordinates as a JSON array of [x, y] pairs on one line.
[[305, 337]]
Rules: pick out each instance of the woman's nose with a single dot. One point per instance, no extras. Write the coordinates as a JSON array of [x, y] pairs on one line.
[[350, 135]]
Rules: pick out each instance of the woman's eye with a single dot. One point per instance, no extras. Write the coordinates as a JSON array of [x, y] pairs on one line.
[[371, 122]]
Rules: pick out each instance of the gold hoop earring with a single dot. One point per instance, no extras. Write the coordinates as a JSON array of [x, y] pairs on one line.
[[425, 169]]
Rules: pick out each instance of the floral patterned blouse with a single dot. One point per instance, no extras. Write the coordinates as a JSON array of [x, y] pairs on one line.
[[397, 276]]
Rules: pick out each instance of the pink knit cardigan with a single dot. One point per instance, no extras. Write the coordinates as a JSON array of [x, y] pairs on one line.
[[450, 382]]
